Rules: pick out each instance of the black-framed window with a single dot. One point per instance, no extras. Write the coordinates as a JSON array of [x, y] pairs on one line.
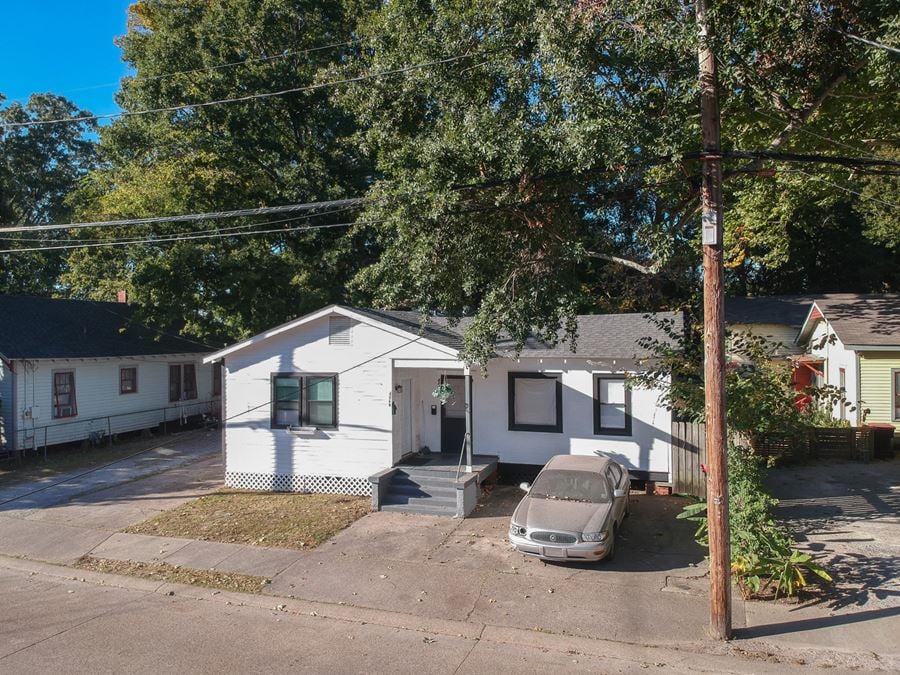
[[182, 382], [64, 394], [304, 400], [128, 380], [612, 406], [535, 402]]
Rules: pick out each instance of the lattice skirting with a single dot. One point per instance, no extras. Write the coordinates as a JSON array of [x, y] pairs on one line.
[[340, 485]]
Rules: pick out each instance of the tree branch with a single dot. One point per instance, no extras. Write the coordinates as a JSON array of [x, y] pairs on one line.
[[643, 269]]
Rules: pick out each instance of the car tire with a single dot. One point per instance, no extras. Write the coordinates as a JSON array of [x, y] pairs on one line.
[[612, 546]]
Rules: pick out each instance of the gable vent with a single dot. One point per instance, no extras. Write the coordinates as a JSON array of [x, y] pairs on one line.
[[339, 330]]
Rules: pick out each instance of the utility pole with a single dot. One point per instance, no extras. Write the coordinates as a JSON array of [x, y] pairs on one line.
[[714, 336]]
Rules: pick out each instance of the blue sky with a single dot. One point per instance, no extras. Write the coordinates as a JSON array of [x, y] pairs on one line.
[[64, 47]]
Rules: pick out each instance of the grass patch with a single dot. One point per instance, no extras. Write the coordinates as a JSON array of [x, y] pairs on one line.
[[279, 520], [62, 459], [176, 574]]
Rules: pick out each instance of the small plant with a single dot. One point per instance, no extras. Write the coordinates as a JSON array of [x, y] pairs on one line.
[[443, 393], [762, 555]]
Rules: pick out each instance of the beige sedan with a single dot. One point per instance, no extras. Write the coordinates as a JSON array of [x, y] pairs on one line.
[[573, 509]]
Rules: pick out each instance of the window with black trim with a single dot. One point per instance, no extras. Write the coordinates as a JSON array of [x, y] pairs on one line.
[[612, 406], [535, 402], [304, 400], [182, 382], [64, 394], [128, 380]]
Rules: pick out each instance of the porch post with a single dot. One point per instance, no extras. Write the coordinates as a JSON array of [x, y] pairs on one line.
[[467, 380]]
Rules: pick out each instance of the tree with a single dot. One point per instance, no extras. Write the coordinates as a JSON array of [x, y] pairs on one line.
[[541, 163], [279, 150], [39, 167]]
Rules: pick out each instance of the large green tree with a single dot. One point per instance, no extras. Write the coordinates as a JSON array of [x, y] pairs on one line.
[[541, 170], [268, 151], [39, 167]]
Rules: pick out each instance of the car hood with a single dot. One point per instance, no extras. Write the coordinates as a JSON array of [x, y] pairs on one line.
[[559, 515]]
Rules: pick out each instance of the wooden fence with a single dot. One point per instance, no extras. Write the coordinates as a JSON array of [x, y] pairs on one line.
[[689, 450], [688, 454]]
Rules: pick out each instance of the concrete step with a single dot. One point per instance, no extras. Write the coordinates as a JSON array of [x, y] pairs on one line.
[[436, 481], [442, 474], [394, 498], [417, 490], [421, 509]]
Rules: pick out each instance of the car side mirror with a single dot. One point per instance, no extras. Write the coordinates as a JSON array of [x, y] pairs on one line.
[[525, 486], [618, 493]]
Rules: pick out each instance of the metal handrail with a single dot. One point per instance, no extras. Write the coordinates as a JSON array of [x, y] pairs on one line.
[[462, 451], [185, 404]]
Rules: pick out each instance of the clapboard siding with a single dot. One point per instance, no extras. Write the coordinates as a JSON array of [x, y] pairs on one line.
[[98, 398], [876, 391], [646, 449], [362, 442], [6, 404], [826, 345]]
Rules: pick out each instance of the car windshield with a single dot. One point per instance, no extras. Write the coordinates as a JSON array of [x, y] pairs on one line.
[[575, 486]]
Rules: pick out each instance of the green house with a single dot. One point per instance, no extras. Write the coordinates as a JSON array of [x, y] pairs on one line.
[[857, 340]]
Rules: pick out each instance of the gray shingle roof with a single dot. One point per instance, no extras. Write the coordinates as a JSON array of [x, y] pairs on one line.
[[599, 335], [790, 310], [869, 320], [51, 328]]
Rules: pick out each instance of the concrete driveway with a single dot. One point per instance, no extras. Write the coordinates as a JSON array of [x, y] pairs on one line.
[[847, 514], [465, 570]]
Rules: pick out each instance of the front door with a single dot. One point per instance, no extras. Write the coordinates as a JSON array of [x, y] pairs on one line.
[[453, 416]]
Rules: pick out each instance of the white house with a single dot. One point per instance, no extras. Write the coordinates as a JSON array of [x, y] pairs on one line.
[[343, 400], [74, 369]]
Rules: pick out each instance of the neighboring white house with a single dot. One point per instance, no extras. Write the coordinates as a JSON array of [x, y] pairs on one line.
[[326, 401], [76, 369]]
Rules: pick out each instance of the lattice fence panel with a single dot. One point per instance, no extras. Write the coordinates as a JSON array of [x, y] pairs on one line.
[[341, 485]]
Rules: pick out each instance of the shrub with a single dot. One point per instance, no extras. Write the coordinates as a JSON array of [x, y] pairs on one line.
[[763, 559]]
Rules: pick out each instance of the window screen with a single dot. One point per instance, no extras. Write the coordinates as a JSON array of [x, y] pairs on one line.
[[320, 401], [286, 401], [64, 394], [127, 380]]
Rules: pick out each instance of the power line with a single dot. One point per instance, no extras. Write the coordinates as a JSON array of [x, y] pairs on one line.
[[165, 239], [846, 189], [852, 36], [236, 99], [185, 232], [221, 66], [186, 217]]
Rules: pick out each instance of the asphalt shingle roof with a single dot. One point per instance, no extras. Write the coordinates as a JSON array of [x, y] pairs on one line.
[[599, 335], [51, 328], [789, 310], [870, 320]]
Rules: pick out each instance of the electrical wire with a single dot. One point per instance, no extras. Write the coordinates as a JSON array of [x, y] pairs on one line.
[[221, 66], [236, 99], [186, 232], [165, 239], [852, 36], [187, 217], [845, 189]]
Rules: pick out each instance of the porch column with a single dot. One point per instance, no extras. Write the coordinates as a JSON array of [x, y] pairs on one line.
[[467, 385]]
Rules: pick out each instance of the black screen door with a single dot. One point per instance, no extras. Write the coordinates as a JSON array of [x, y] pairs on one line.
[[453, 416]]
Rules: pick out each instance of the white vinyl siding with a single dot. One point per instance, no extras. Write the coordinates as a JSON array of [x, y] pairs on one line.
[[97, 383]]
